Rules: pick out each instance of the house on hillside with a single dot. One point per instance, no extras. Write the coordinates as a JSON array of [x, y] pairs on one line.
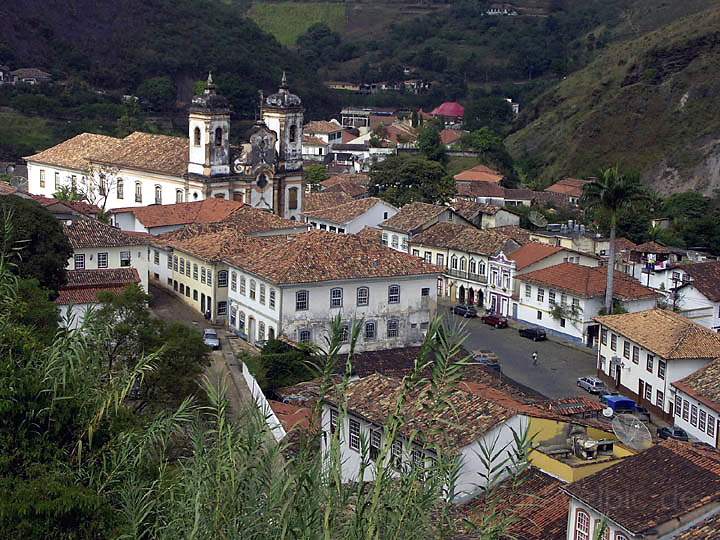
[[655, 265], [351, 217], [479, 173], [315, 149], [485, 216], [570, 188], [31, 76], [413, 219], [697, 296], [451, 113], [328, 132], [697, 403], [494, 194], [643, 353]]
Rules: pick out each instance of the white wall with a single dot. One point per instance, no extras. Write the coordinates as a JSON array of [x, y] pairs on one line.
[[261, 402], [704, 415], [138, 259], [695, 306], [596, 521], [246, 307], [72, 317], [161, 267], [372, 218], [396, 240]]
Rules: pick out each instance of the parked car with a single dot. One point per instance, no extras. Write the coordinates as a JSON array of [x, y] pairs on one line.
[[465, 311], [536, 334], [673, 433], [488, 359], [493, 319], [642, 413], [592, 385], [211, 339]]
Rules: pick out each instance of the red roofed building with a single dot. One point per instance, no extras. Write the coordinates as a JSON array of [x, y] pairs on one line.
[[479, 173], [450, 111], [564, 299], [572, 188]]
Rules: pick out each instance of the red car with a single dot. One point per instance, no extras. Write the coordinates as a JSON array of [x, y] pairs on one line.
[[493, 319]]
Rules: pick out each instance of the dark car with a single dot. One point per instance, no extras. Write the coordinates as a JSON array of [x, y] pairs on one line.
[[536, 334], [465, 311], [673, 433], [493, 319]]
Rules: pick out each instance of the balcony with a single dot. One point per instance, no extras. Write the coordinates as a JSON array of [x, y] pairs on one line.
[[479, 278]]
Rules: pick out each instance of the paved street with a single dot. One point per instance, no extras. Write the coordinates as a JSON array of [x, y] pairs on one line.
[[558, 367]]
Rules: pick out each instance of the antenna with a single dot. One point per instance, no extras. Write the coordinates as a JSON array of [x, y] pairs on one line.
[[537, 219], [632, 432]]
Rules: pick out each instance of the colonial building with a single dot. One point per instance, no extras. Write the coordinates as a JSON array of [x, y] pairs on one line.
[[413, 219], [143, 168], [643, 353], [697, 403], [697, 296], [485, 216], [570, 188], [352, 216]]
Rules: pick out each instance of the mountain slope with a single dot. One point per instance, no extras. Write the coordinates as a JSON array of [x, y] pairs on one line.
[[651, 104]]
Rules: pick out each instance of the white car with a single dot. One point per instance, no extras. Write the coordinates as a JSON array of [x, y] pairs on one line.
[[592, 385], [211, 339]]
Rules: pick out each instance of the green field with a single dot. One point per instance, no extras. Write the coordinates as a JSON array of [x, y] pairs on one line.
[[25, 134], [286, 21]]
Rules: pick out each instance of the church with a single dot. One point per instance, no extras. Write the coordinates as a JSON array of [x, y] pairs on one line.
[[265, 172]]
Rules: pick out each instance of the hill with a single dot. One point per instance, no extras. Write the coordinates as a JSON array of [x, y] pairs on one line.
[[651, 104], [287, 21]]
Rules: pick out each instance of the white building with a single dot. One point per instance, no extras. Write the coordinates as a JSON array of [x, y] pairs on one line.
[[351, 217], [664, 492], [98, 246], [476, 423], [413, 219], [296, 286], [698, 295], [485, 216], [643, 353], [315, 149], [143, 168], [330, 132], [697, 404], [565, 299]]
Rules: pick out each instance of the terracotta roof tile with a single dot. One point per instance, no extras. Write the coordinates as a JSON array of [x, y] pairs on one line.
[[83, 286], [587, 281], [88, 232], [324, 199], [481, 189], [371, 234], [7, 189], [572, 187], [623, 244], [80, 207], [349, 188], [413, 216], [345, 213], [531, 253], [652, 247], [321, 126], [162, 215], [291, 416], [708, 529], [309, 140], [451, 136], [665, 333], [470, 209], [689, 472], [355, 178], [449, 108], [465, 238], [74, 153], [705, 278], [703, 385], [479, 173], [520, 235], [148, 152], [374, 398]]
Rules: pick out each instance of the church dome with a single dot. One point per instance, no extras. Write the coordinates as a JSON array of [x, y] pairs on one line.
[[283, 98], [210, 100]]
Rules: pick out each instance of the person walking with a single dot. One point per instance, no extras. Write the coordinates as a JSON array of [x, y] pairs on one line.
[[534, 357]]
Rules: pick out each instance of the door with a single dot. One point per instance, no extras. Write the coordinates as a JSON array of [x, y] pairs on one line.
[[515, 310], [202, 303], [504, 307], [493, 303], [471, 296], [251, 329], [461, 295], [641, 390]]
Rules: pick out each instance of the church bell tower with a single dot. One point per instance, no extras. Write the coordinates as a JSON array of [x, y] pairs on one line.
[[209, 133]]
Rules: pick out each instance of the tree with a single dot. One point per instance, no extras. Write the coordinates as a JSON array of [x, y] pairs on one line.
[[490, 148], [400, 180], [45, 249], [314, 174], [157, 93], [491, 112], [431, 146], [609, 194]]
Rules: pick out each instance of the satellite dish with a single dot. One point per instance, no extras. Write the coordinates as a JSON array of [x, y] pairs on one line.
[[607, 412], [537, 219], [630, 430]]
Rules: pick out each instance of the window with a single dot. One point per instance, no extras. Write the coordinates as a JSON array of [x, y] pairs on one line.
[[416, 252], [243, 285], [462, 264], [370, 330], [261, 331], [354, 441], [395, 241], [182, 288], [336, 297], [440, 259], [661, 369], [393, 328], [333, 420], [241, 320], [57, 181], [233, 281], [416, 459], [425, 291], [195, 295], [576, 303], [202, 275], [302, 300], [563, 299], [375, 440], [272, 298], [384, 239], [613, 342], [551, 297], [175, 264], [562, 323], [179, 195], [394, 294], [648, 392], [686, 410], [702, 420], [293, 198], [341, 230], [396, 457], [650, 364], [711, 425], [636, 354], [73, 182], [182, 265], [428, 257], [603, 336], [541, 295], [170, 262], [582, 525], [660, 399], [103, 259], [304, 336], [158, 195], [222, 307], [138, 192], [218, 136], [124, 258], [119, 188], [344, 332], [209, 277], [619, 536], [262, 293], [293, 133], [481, 266], [453, 262], [601, 362], [528, 291], [539, 315], [42, 178], [222, 278], [363, 296], [693, 415], [626, 349], [678, 405], [79, 262], [196, 136], [253, 289], [156, 257], [233, 314], [472, 266]]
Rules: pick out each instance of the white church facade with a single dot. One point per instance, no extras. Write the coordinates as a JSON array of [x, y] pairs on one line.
[[143, 168]]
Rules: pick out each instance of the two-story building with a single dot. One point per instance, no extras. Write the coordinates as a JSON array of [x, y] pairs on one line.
[[297, 285], [643, 353], [667, 491], [698, 295], [352, 216], [413, 219], [697, 404], [485, 216], [565, 299]]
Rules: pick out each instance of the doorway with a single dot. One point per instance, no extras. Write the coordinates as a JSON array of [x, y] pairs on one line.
[[251, 329]]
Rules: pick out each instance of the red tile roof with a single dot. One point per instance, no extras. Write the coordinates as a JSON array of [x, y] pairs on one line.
[[531, 253], [346, 212], [705, 278], [449, 108], [90, 233], [413, 216], [84, 286], [323, 127], [349, 188], [80, 207], [324, 199], [148, 152], [572, 187], [74, 153], [291, 416], [479, 173], [355, 178], [481, 189], [668, 481], [309, 140], [707, 529], [623, 244], [7, 189], [451, 136], [652, 247], [464, 238], [162, 215], [703, 385], [587, 281]]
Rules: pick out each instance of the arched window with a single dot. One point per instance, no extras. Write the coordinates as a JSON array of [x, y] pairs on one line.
[[363, 296], [582, 525], [462, 264], [453, 262], [158, 195], [619, 536], [196, 136], [293, 133], [293, 198], [370, 330], [472, 266], [119, 186], [336, 297], [138, 192], [179, 195], [218, 137], [241, 320], [394, 294], [253, 286], [481, 268]]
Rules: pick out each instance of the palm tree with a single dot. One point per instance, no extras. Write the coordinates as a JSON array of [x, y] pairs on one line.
[[608, 194]]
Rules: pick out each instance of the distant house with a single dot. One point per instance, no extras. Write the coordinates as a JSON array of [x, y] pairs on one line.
[[315, 149], [30, 76], [697, 296], [485, 216], [571, 188], [66, 210], [413, 219], [451, 137], [697, 404], [351, 217], [5, 77], [449, 112], [656, 265], [329, 132], [479, 173], [495, 194]]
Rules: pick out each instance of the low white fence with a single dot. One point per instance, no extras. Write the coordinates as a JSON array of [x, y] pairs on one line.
[[262, 403]]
